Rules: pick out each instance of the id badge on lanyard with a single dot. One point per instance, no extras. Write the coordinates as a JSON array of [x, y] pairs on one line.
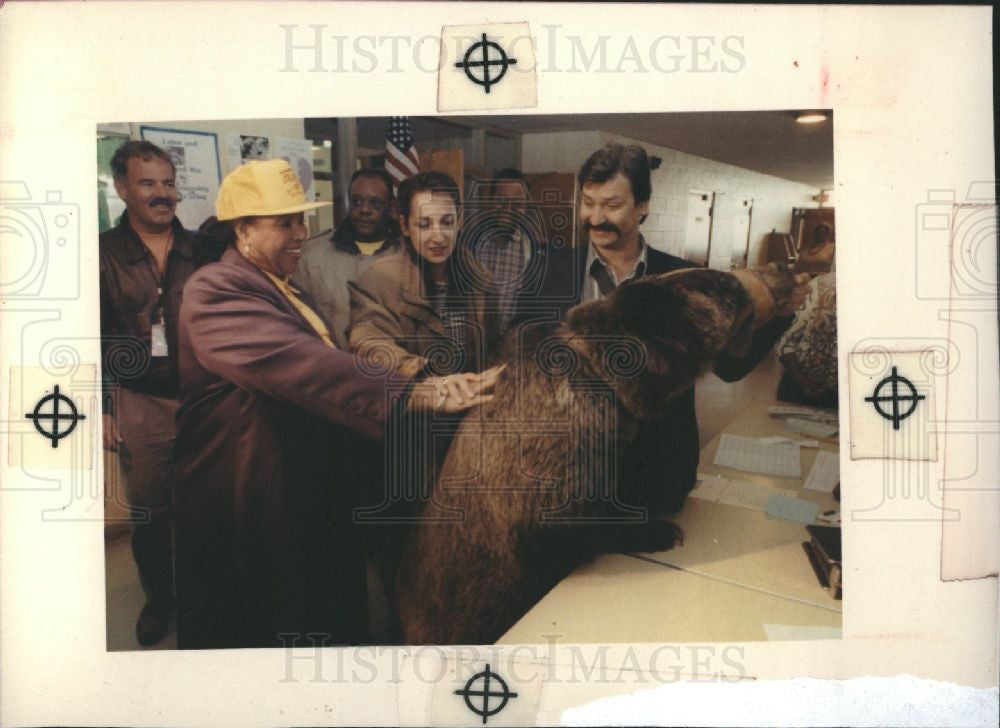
[[158, 345], [158, 335], [158, 329]]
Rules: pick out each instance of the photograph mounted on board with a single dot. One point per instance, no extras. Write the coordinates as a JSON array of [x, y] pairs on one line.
[[470, 380]]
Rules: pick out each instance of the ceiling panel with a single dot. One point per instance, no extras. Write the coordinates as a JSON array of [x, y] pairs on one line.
[[771, 142]]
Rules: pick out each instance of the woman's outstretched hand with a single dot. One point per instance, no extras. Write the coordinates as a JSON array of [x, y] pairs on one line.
[[455, 392]]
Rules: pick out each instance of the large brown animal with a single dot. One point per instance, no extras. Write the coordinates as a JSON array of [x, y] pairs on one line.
[[527, 490]]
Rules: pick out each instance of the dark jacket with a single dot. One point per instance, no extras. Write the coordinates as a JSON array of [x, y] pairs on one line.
[[329, 264], [660, 467], [269, 429], [129, 304]]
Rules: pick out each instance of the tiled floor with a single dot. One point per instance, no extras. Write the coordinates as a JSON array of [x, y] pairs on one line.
[[718, 403]]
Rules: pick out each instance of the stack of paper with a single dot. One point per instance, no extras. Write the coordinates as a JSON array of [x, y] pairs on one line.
[[777, 439], [742, 493], [810, 428], [825, 473], [807, 412], [790, 508], [749, 453]]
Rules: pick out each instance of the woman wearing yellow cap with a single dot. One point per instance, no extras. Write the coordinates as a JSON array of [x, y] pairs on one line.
[[271, 422]]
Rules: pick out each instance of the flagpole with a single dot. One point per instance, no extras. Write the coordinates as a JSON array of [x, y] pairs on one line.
[[347, 156]]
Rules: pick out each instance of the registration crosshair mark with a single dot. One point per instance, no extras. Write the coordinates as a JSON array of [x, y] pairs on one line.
[[896, 416], [484, 710], [55, 435], [503, 61]]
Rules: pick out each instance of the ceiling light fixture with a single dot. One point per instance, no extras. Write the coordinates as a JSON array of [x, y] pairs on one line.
[[810, 117]]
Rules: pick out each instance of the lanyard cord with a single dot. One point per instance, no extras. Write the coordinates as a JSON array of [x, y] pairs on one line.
[[156, 276]]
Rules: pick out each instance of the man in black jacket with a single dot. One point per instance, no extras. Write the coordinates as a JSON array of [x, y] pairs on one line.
[[660, 468]]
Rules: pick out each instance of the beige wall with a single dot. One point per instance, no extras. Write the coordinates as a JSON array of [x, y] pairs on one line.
[[773, 197], [557, 151]]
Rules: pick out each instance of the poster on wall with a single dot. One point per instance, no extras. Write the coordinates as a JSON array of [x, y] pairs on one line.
[[254, 148], [243, 148], [299, 154], [196, 157]]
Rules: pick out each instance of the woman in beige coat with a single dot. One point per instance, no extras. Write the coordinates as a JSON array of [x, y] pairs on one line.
[[422, 308]]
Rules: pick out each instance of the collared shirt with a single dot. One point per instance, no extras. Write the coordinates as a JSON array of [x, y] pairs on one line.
[[505, 257], [307, 313], [601, 279], [369, 248], [346, 238], [456, 321]]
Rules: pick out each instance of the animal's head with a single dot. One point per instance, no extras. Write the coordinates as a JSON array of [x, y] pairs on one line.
[[684, 318], [653, 337]]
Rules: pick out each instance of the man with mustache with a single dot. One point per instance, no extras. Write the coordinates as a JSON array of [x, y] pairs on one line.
[[144, 262], [660, 468], [328, 264]]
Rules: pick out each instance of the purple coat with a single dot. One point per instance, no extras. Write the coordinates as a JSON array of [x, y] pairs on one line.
[[270, 433]]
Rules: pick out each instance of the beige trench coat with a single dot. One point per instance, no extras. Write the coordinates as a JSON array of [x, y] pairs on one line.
[[394, 325]]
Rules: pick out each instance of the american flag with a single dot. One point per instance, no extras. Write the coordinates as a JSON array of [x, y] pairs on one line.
[[401, 160]]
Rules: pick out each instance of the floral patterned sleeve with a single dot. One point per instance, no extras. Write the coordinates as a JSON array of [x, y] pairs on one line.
[[812, 338], [793, 339]]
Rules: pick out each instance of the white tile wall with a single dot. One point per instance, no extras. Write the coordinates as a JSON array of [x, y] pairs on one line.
[[773, 197]]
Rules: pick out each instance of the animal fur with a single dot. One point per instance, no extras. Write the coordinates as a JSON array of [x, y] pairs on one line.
[[527, 479]]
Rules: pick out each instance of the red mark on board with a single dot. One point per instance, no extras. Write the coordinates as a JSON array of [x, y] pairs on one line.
[[795, 63]]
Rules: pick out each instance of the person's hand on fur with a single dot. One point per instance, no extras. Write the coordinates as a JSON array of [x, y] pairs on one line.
[[455, 392]]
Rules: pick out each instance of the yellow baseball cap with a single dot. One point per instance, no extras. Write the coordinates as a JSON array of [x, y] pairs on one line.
[[262, 188]]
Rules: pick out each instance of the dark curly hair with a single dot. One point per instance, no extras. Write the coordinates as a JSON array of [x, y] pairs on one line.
[[143, 150], [630, 160]]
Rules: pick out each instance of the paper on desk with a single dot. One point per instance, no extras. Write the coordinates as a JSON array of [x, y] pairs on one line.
[[709, 487], [731, 492], [825, 473], [813, 429], [800, 443], [747, 453], [791, 509], [814, 414]]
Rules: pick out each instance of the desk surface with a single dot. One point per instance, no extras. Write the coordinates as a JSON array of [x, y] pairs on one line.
[[737, 571]]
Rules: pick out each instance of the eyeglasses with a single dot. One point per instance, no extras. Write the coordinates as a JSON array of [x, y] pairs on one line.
[[373, 202]]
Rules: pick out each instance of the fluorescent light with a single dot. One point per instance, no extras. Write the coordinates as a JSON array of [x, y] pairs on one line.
[[810, 117]]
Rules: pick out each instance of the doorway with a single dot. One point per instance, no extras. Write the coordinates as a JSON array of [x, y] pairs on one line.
[[698, 229], [741, 232]]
